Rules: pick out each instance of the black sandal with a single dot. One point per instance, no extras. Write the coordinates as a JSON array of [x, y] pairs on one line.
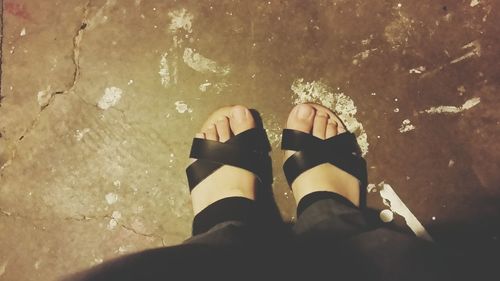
[[247, 150], [341, 151]]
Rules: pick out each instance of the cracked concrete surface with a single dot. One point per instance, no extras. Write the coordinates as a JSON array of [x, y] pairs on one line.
[[80, 184]]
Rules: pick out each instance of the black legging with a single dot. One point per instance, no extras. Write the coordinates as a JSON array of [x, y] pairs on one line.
[[332, 239]]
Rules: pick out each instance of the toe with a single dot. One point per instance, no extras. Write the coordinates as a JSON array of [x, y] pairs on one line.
[[211, 133], [332, 116], [331, 129], [240, 119], [301, 118], [197, 136], [223, 130], [339, 125], [340, 128], [319, 125]]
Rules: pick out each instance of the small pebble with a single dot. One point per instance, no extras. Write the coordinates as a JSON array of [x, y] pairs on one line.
[[386, 215]]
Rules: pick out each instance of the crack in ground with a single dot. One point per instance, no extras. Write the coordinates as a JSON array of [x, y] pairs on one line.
[[77, 39], [13, 214], [81, 218], [122, 225], [149, 235], [22, 217]]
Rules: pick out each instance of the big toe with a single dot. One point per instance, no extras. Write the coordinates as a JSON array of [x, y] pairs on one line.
[[301, 118], [240, 119]]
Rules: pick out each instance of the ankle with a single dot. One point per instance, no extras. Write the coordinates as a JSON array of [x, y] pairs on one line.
[[327, 178]]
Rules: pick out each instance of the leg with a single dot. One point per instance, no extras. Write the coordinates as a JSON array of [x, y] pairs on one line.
[[228, 221], [325, 183], [329, 223], [334, 235], [223, 243], [329, 214], [224, 202], [224, 227]]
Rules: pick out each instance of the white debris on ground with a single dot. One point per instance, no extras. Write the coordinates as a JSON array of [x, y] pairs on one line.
[[43, 98], [406, 126], [475, 51], [202, 64], [453, 109], [164, 70], [273, 129], [386, 215], [182, 107], [396, 205], [203, 87], [181, 19], [474, 3], [113, 222], [417, 70], [111, 198], [80, 134], [110, 98]]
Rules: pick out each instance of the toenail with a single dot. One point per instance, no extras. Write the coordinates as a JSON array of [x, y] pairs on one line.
[[321, 114], [239, 113], [304, 111]]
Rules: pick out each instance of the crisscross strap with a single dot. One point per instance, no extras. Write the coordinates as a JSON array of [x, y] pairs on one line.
[[341, 151], [246, 150]]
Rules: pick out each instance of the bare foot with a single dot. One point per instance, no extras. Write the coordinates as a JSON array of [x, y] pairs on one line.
[[322, 123], [228, 181]]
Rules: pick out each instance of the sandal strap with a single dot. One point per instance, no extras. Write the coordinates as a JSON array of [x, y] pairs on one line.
[[247, 150], [341, 151], [299, 141]]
